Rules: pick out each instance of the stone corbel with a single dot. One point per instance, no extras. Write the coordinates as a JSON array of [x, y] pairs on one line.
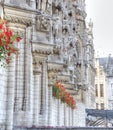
[[38, 59], [21, 20], [43, 49], [55, 67], [56, 50], [37, 69], [63, 78], [52, 75]]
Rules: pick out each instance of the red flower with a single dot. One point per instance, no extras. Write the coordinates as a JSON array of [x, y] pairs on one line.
[[1, 26], [10, 33], [7, 60], [9, 54], [18, 39], [60, 92], [6, 40]]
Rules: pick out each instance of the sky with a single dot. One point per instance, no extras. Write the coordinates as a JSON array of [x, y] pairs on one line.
[[101, 13]]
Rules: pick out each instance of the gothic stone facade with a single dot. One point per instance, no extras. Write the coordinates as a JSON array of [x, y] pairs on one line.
[[55, 45]]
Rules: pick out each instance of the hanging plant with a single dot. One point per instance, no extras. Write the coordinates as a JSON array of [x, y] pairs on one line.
[[59, 92], [7, 41]]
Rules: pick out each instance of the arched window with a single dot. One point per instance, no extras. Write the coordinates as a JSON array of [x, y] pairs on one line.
[[96, 90], [101, 90]]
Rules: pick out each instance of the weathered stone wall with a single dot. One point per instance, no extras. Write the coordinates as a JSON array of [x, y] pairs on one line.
[[3, 96], [52, 48], [73, 128]]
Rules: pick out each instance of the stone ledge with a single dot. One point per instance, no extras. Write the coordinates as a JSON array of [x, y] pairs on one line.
[[63, 128]]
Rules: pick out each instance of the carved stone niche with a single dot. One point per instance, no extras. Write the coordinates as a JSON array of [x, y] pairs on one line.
[[49, 6], [56, 50], [56, 7], [43, 24], [44, 5], [65, 30], [70, 14]]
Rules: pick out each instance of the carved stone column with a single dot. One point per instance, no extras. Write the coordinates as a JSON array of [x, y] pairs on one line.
[[10, 95], [37, 98], [70, 110], [19, 78], [50, 106], [3, 96], [72, 115], [27, 103], [61, 113], [44, 96], [58, 112], [66, 115], [27, 77]]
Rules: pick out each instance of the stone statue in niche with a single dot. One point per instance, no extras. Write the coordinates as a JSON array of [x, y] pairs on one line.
[[70, 14], [43, 5], [65, 16], [78, 48], [38, 23], [56, 7], [65, 30], [48, 6], [55, 30], [78, 75], [42, 24], [74, 29]]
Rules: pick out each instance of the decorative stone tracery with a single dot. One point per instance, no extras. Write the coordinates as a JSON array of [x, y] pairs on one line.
[[52, 49]]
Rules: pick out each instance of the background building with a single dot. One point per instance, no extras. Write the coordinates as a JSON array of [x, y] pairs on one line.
[[56, 45], [107, 63], [102, 115], [100, 86]]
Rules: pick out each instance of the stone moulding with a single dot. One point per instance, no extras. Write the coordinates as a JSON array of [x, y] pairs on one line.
[[42, 48], [63, 78], [18, 15], [55, 67], [38, 59]]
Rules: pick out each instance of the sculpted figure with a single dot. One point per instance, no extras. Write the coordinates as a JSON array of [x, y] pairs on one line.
[[43, 4], [44, 24]]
